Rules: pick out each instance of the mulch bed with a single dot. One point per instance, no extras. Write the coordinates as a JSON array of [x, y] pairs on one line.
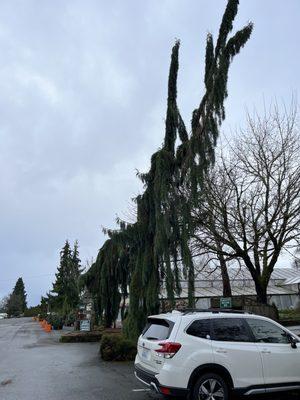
[[79, 337]]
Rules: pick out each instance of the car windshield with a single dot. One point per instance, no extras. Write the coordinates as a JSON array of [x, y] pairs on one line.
[[157, 329]]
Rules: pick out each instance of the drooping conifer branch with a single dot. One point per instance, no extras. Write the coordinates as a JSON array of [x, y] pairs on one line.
[[144, 254]]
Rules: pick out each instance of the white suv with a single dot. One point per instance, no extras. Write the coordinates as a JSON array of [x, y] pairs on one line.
[[209, 354]]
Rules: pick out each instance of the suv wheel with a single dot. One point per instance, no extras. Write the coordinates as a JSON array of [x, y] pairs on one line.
[[210, 387]]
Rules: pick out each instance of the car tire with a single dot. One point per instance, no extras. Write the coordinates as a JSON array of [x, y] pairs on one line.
[[210, 384]]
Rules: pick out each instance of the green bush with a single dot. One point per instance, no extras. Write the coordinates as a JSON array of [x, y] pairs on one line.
[[289, 315], [80, 337], [42, 316], [32, 311], [56, 321], [70, 319], [114, 347]]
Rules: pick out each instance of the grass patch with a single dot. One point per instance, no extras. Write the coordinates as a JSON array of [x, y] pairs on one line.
[[289, 317], [289, 314]]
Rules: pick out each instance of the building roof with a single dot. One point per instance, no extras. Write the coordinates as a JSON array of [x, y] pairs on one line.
[[209, 283], [208, 292], [292, 281], [209, 274]]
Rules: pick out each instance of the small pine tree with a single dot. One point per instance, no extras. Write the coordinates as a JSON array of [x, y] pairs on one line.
[[14, 305], [19, 290], [17, 304]]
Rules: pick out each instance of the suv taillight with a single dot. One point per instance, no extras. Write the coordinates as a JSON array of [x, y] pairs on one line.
[[168, 349]]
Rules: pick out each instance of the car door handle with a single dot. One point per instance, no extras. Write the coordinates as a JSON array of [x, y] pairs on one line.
[[265, 351], [221, 351]]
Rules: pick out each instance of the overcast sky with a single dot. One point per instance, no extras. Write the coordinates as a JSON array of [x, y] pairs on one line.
[[82, 105]]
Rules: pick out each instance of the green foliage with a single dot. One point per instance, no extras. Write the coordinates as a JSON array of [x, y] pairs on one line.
[[108, 278], [57, 321], [65, 292], [70, 318], [33, 311], [16, 303], [80, 337], [115, 347], [208, 117], [42, 316], [145, 255], [290, 314], [19, 290]]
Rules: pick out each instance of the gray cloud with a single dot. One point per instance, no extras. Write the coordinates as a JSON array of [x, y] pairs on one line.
[[82, 104]]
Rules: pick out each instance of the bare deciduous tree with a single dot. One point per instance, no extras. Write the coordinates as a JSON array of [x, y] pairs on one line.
[[251, 198], [3, 304]]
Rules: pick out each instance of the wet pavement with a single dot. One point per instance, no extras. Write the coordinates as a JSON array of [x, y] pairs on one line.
[[35, 366]]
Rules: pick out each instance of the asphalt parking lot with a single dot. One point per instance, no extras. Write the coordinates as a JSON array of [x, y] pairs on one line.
[[35, 366]]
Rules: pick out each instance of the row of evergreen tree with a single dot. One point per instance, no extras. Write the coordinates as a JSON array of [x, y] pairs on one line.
[[64, 296]]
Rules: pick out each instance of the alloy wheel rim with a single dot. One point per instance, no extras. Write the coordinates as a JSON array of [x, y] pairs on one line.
[[211, 389]]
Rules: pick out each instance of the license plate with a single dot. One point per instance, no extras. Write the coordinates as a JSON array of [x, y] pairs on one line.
[[146, 354]]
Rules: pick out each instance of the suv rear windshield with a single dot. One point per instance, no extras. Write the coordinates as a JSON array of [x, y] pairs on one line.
[[157, 329]]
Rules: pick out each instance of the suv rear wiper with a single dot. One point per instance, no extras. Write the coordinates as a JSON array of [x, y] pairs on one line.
[[151, 338]]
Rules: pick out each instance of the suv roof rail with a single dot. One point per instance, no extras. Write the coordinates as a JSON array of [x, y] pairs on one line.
[[214, 310]]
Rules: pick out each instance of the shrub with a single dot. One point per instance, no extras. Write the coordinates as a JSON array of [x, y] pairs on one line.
[[77, 337], [114, 347], [70, 319], [42, 316], [56, 321], [32, 311]]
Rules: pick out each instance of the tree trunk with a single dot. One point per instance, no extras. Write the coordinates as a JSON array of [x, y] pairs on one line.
[[224, 271], [261, 291], [123, 307], [225, 277]]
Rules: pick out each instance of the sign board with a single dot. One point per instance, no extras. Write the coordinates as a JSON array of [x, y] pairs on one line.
[[85, 325], [225, 302]]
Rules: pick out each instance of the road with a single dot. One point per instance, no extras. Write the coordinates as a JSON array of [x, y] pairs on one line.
[[35, 366]]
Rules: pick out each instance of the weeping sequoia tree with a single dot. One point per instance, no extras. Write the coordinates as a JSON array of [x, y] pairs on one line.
[[152, 253]]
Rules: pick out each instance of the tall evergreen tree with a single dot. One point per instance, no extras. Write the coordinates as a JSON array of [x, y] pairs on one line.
[[19, 290], [17, 304], [173, 184], [172, 187], [65, 288], [76, 262]]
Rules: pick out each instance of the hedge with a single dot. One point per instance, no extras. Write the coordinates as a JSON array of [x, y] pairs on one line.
[[80, 337], [56, 321], [114, 347]]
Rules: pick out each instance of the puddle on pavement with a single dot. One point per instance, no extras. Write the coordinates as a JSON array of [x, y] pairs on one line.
[[6, 382]]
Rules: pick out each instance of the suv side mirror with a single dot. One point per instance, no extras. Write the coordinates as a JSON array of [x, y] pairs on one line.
[[293, 341]]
